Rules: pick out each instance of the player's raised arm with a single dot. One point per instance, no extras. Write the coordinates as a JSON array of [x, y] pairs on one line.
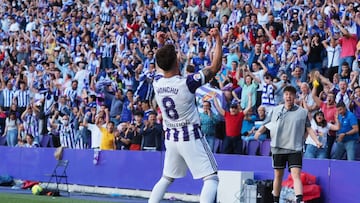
[[210, 71]]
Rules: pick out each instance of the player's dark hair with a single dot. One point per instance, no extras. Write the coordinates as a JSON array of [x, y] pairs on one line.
[[166, 57]]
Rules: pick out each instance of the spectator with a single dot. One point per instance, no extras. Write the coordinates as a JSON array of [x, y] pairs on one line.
[[11, 129], [333, 50], [31, 122], [135, 127], [22, 97], [128, 106], [30, 142], [256, 121], [249, 86], [208, 122], [315, 52], [123, 137], [306, 99], [152, 134], [232, 143], [355, 103], [67, 132], [107, 137], [116, 107], [347, 42], [347, 135], [344, 94], [321, 128]]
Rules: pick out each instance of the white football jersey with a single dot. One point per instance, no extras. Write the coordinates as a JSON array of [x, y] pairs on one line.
[[176, 99]]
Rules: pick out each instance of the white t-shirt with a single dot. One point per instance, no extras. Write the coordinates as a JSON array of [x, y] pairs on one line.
[[262, 19], [321, 133], [95, 135]]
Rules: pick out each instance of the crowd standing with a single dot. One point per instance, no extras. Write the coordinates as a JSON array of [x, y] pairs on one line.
[[82, 71]]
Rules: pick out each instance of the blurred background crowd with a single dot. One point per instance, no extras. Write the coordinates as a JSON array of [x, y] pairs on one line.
[[80, 72]]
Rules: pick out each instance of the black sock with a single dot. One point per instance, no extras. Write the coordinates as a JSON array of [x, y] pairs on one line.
[[299, 198], [276, 199]]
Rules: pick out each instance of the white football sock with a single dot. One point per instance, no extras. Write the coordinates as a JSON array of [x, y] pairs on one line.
[[209, 190], [159, 189]]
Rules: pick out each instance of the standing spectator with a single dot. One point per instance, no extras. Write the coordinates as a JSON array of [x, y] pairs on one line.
[[116, 107], [135, 127], [106, 53], [321, 128], [7, 94], [123, 140], [232, 143], [208, 122], [333, 50], [71, 93], [347, 42], [128, 107], [93, 127], [31, 122], [192, 11], [268, 93], [328, 107], [287, 127], [67, 132], [107, 137], [348, 134], [315, 52], [152, 134], [306, 99], [22, 97], [344, 94], [146, 108], [11, 129], [249, 85], [355, 103]]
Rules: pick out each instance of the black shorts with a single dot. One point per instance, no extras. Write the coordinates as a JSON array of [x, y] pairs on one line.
[[294, 160]]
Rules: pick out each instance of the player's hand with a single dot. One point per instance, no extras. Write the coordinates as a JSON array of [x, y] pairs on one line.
[[214, 32]]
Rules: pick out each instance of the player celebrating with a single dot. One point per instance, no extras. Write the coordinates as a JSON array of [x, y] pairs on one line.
[[186, 147]]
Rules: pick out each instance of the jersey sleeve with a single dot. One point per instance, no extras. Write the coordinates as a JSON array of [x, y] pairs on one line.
[[194, 81]]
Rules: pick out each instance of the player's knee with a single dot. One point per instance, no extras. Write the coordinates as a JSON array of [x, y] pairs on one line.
[[213, 176]]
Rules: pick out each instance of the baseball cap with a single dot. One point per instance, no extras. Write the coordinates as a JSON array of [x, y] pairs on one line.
[[234, 104]]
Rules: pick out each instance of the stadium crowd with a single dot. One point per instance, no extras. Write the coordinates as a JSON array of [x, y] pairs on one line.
[[81, 71]]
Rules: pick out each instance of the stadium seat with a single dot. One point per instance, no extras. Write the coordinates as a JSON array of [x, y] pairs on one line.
[[252, 147], [45, 141], [2, 141], [357, 155], [59, 175], [265, 148]]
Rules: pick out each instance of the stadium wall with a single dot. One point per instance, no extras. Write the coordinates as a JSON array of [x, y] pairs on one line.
[[339, 180]]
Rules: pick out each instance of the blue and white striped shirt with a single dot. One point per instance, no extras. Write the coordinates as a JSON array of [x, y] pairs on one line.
[[8, 96], [22, 97], [106, 50]]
